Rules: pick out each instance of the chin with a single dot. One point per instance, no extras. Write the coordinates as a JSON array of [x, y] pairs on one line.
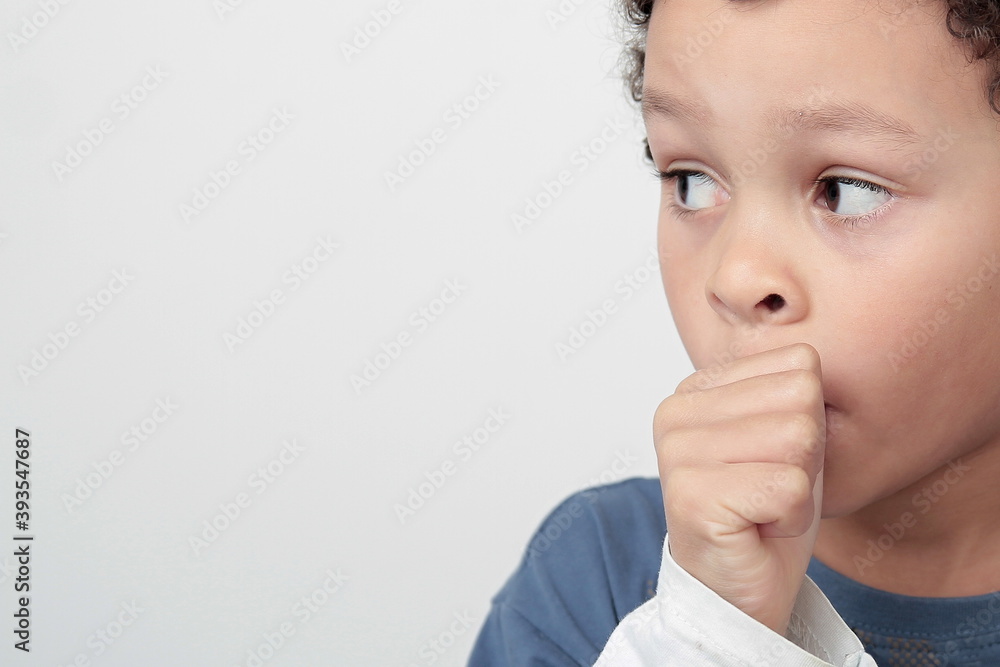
[[836, 505], [848, 489]]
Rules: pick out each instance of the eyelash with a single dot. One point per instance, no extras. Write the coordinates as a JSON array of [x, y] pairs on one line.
[[849, 221], [670, 177]]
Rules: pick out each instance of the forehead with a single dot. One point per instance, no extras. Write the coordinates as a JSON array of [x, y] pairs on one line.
[[737, 59]]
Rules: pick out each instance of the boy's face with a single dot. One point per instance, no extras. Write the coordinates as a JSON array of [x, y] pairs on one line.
[[893, 276]]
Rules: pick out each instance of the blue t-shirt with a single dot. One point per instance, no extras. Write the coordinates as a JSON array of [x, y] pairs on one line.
[[596, 557]]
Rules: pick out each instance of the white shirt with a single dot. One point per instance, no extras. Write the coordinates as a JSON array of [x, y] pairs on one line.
[[686, 623]]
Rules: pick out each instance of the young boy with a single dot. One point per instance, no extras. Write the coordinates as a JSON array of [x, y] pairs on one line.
[[829, 240]]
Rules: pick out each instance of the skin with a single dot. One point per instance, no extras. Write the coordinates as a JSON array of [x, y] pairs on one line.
[[752, 419]]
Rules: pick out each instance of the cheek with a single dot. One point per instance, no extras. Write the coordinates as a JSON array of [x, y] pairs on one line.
[[707, 340], [949, 360], [935, 326], [683, 284], [919, 376]]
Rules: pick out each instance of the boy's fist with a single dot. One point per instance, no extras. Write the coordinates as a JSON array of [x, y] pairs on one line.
[[740, 452]]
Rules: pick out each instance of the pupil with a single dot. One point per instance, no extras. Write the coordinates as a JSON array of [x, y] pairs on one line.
[[832, 193], [682, 188]]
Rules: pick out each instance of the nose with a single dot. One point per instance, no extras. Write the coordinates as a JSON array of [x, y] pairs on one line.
[[756, 278]]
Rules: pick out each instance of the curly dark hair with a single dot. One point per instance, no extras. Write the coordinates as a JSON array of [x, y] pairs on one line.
[[975, 22]]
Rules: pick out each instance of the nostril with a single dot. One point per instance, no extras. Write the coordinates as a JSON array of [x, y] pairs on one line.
[[773, 302]]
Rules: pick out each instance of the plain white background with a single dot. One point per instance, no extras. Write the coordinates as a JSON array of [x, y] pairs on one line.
[[118, 122]]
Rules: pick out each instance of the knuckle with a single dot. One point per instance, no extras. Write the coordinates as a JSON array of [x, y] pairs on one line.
[[667, 414], [682, 494], [697, 381], [803, 355], [801, 431], [796, 488], [804, 387], [666, 450]]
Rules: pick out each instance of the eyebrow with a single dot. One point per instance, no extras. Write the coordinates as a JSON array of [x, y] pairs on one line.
[[851, 117]]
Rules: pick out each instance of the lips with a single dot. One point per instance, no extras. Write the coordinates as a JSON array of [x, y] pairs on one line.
[[834, 419]]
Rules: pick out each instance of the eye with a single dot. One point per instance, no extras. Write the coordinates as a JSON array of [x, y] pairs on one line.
[[693, 190], [851, 197]]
